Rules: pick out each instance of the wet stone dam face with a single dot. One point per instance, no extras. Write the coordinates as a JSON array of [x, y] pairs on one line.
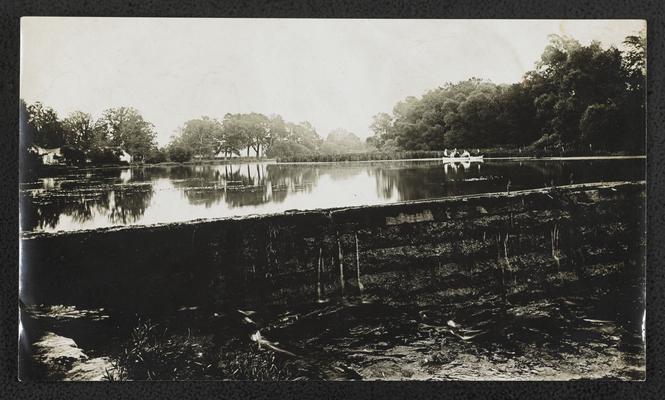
[[453, 254]]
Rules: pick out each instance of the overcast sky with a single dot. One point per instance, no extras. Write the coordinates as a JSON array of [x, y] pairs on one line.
[[333, 73]]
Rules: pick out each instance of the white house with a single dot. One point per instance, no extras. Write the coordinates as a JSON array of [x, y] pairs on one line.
[[49, 156]]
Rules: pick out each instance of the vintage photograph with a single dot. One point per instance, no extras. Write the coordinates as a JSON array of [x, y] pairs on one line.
[[332, 199]]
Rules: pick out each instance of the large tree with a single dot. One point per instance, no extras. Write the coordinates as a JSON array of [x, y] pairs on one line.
[[257, 129], [253, 131], [235, 132], [633, 104], [288, 139], [381, 127], [80, 130], [203, 135], [125, 127], [44, 126], [577, 77], [341, 141], [304, 134]]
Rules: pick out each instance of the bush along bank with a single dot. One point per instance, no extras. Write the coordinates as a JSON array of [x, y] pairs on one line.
[[498, 152]]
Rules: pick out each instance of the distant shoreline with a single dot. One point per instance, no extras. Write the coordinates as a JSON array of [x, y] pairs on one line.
[[532, 158], [68, 168]]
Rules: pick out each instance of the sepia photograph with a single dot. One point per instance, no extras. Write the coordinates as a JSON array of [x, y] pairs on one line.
[[276, 199]]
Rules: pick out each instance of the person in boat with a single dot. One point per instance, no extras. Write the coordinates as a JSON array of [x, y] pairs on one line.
[[456, 154], [450, 154]]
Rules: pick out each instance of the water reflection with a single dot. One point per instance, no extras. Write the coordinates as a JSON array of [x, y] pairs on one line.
[[242, 185], [82, 198], [108, 197]]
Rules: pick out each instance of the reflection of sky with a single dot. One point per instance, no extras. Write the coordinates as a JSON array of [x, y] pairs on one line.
[[161, 195], [170, 204]]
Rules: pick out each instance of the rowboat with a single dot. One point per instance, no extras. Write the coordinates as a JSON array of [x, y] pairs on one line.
[[462, 159]]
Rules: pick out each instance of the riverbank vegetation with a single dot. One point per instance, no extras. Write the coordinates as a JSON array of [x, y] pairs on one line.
[[79, 139], [577, 96], [579, 100], [153, 352], [493, 152]]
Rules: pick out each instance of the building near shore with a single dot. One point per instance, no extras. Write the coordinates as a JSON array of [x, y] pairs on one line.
[[48, 156]]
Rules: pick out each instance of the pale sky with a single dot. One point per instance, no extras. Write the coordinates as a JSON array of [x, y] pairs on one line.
[[333, 73]]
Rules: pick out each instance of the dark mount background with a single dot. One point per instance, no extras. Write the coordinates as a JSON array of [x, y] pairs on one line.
[[653, 11]]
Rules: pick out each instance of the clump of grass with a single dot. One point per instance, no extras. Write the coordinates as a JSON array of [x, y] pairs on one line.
[[152, 353], [255, 364], [556, 249]]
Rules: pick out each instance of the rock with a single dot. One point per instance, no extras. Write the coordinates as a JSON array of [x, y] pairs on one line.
[[62, 359], [94, 369], [52, 348]]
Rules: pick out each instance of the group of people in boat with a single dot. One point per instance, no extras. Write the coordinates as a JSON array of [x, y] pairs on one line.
[[455, 153]]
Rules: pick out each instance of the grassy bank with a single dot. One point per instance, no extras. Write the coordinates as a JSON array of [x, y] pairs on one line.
[[59, 169], [53, 170], [206, 161], [489, 153]]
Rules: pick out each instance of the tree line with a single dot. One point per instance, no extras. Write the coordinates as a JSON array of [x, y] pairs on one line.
[[250, 134], [81, 136], [580, 96], [255, 134]]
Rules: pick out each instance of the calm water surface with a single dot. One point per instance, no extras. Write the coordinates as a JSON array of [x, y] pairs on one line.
[[148, 195]]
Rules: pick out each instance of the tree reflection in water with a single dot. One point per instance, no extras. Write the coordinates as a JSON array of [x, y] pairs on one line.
[[242, 184], [108, 192], [413, 181], [424, 180], [106, 197]]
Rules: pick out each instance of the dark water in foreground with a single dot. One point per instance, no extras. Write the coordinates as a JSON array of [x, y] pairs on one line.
[[149, 195]]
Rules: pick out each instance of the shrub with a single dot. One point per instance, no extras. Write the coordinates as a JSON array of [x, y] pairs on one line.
[[600, 125], [286, 149], [546, 141], [73, 155], [151, 354], [256, 365], [104, 155], [156, 155], [180, 152]]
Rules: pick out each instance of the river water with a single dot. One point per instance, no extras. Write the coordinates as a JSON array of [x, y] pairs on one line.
[[98, 198]]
